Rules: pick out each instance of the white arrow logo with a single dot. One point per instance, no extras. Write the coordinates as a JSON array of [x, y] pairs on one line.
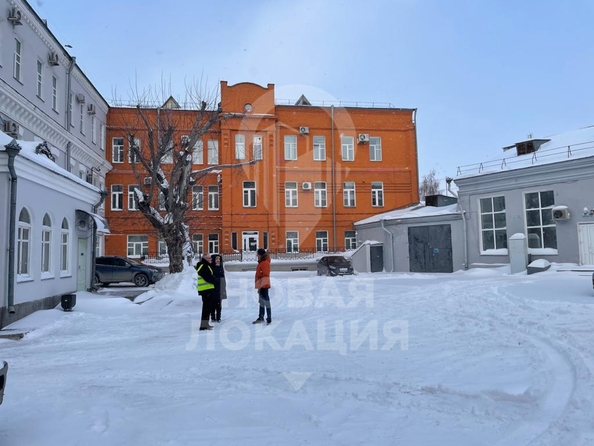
[[297, 379]]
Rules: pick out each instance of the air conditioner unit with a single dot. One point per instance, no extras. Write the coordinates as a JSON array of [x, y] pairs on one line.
[[80, 98], [15, 16], [304, 130], [91, 109], [53, 58], [561, 213], [306, 186], [148, 180], [11, 128], [363, 137]]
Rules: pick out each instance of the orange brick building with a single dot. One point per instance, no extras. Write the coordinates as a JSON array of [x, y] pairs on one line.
[[320, 169]]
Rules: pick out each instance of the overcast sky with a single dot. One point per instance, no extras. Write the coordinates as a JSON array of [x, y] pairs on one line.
[[482, 74]]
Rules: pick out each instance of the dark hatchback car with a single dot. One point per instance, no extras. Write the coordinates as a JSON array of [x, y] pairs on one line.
[[334, 266], [113, 269]]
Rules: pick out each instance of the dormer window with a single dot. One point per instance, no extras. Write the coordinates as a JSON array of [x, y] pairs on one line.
[[526, 147]]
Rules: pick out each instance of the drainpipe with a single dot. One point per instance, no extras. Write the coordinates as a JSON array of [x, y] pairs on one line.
[[69, 108], [333, 185], [12, 149], [103, 194], [391, 243], [414, 118], [465, 240]]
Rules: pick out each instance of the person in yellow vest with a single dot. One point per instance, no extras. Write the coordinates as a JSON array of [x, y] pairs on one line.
[[206, 289]]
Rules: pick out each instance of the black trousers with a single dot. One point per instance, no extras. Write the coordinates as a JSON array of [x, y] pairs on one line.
[[264, 301], [207, 305], [215, 311]]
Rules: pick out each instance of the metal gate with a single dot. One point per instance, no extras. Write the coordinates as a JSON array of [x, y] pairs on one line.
[[376, 254], [430, 249], [586, 242]]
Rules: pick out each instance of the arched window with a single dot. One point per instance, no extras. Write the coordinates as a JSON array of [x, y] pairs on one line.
[[24, 244], [64, 244], [46, 244]]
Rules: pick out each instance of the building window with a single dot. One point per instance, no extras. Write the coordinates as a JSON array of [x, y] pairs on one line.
[[39, 79], [377, 194], [213, 151], [162, 248], [132, 205], [322, 241], [102, 136], [167, 157], [249, 194], [540, 226], [234, 241], [65, 247], [24, 244], [350, 240], [198, 244], [82, 118], [93, 130], [319, 146], [197, 198], [239, 147], [348, 194], [117, 197], [347, 144], [213, 198], [320, 194], [493, 226], [265, 239], [198, 153], [213, 243], [290, 147], [46, 244], [375, 148], [137, 245], [291, 194], [134, 155], [17, 60], [54, 93], [71, 108], [292, 241], [117, 150], [257, 147], [162, 204]]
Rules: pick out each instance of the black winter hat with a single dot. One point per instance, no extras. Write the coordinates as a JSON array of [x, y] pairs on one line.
[[261, 251]]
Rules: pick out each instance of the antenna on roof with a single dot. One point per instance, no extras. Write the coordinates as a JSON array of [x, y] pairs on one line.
[[530, 135]]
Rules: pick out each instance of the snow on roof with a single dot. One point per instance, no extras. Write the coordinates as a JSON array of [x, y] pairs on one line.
[[28, 152], [561, 147], [412, 211]]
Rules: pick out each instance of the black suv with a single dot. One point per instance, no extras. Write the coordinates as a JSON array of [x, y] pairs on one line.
[[113, 269], [334, 266]]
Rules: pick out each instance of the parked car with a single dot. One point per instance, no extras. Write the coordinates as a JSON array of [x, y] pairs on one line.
[[114, 269], [3, 375], [334, 266]]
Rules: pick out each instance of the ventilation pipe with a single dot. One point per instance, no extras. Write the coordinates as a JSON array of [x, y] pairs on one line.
[[464, 221], [333, 185], [391, 244], [12, 149]]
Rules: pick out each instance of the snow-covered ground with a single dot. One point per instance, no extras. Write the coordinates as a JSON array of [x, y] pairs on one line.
[[471, 358]]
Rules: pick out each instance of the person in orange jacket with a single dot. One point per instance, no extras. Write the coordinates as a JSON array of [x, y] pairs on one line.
[[263, 285]]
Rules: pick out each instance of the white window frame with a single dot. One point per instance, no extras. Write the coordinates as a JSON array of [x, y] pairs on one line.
[[65, 247], [321, 241], [117, 150], [82, 119], [131, 201], [292, 241], [198, 153], [40, 79], [46, 246], [349, 194], [290, 147], [257, 147], [320, 194], [350, 240], [213, 151], [197, 198], [198, 243], [543, 212], [117, 197], [377, 194], [24, 245], [347, 145], [213, 198], [291, 194], [489, 219], [213, 243], [162, 250], [93, 130], [375, 148], [137, 245], [102, 136], [319, 148], [161, 198], [55, 94], [137, 142], [239, 146], [17, 71], [249, 194], [167, 157]]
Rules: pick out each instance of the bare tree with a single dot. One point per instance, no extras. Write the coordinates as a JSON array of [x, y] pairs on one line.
[[429, 185], [163, 168]]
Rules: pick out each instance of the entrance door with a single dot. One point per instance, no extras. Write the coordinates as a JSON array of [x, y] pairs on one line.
[[82, 265], [430, 249], [250, 241], [377, 258], [586, 242]]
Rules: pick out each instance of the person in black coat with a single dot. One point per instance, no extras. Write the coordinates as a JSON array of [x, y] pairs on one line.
[[206, 288], [220, 287]]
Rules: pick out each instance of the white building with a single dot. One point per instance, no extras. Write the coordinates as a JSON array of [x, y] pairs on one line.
[[50, 199]]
